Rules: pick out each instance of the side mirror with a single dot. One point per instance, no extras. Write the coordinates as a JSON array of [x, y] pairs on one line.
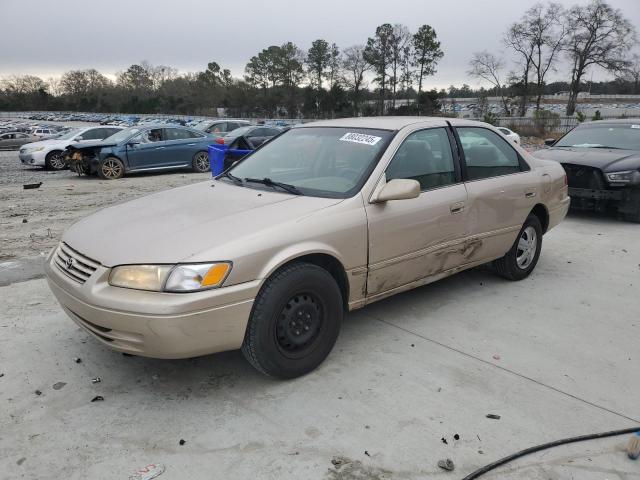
[[549, 141], [78, 139], [398, 189], [133, 144]]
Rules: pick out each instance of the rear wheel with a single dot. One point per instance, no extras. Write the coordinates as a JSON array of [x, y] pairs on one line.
[[111, 168], [200, 163], [54, 160], [295, 321], [523, 256]]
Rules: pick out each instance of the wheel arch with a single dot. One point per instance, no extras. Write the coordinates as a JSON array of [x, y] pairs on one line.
[[540, 211], [322, 259]]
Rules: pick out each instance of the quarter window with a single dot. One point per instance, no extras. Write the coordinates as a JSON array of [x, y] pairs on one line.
[[424, 156], [487, 154]]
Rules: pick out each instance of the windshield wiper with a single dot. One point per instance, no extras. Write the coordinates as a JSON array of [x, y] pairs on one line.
[[231, 176], [270, 183], [608, 148]]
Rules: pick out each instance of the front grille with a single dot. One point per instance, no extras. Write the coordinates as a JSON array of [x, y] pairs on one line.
[[73, 264], [581, 176]]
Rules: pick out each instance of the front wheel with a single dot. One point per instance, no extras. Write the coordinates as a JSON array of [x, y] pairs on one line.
[[295, 321], [111, 169], [54, 160], [200, 163], [523, 256]]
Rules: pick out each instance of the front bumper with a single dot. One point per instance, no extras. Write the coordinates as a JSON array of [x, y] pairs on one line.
[[33, 158], [596, 194], [152, 324]]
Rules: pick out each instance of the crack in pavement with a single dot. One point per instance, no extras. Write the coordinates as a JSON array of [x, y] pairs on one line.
[[486, 362]]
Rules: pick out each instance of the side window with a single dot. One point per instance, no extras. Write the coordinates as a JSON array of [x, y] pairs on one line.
[[256, 132], [487, 154], [110, 131], [218, 128], [176, 134], [424, 156], [93, 134]]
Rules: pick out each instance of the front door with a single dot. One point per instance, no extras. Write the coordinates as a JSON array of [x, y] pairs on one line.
[[501, 188], [412, 240], [147, 150]]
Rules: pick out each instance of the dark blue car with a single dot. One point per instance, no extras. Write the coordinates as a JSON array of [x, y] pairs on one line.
[[142, 149]]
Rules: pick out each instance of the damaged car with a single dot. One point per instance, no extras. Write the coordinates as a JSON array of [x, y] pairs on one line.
[[141, 149], [324, 219], [602, 162]]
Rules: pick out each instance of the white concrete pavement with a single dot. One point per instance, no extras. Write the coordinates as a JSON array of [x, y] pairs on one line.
[[406, 372]]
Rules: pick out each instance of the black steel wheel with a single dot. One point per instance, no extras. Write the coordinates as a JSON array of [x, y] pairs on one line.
[[295, 321]]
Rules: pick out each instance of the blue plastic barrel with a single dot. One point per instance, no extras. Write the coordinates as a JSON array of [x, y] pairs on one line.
[[216, 158]]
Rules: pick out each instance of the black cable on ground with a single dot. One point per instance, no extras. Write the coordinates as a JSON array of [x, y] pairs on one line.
[[544, 446]]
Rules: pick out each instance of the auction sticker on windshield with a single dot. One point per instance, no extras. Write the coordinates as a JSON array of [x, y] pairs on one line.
[[360, 138]]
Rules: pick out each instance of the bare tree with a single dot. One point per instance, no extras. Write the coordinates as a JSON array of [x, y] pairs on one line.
[[354, 67], [631, 73], [599, 35], [399, 39], [519, 38], [488, 67]]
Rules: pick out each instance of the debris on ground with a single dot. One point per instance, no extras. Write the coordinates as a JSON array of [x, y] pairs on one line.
[[21, 460], [633, 447], [58, 385], [38, 392], [30, 186], [96, 380], [148, 472], [496, 357], [24, 220], [182, 442], [446, 464], [456, 437], [444, 440], [338, 461], [493, 416], [98, 398], [367, 453], [77, 360], [1, 375]]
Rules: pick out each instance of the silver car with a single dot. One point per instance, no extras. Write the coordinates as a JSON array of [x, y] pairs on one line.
[[326, 218]]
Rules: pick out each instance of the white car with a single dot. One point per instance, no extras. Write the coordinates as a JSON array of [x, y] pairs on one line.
[[48, 153], [510, 134], [44, 132]]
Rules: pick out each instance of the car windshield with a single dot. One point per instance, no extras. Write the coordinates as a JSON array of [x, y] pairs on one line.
[[122, 135], [203, 125], [318, 161], [68, 135], [623, 136]]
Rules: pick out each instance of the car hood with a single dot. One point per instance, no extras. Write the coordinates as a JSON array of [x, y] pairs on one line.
[[185, 223], [604, 159], [46, 143], [89, 144]]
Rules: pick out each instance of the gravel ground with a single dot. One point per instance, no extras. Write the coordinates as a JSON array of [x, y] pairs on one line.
[[32, 221]]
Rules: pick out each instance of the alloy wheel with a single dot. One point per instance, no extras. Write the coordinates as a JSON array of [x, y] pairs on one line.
[[527, 247], [111, 169]]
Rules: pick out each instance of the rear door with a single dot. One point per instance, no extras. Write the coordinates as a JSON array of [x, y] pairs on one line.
[[147, 150], [502, 190], [411, 240], [181, 146]]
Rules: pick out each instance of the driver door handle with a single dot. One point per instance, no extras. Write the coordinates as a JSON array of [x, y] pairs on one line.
[[456, 208]]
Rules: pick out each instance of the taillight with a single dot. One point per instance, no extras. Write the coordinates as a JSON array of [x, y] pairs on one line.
[[220, 141]]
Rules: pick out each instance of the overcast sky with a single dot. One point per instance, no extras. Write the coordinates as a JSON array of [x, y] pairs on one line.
[[47, 37]]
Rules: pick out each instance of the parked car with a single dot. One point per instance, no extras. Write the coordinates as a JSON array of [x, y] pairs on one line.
[[143, 148], [510, 134], [44, 132], [219, 128], [48, 153], [602, 161], [14, 140], [326, 218]]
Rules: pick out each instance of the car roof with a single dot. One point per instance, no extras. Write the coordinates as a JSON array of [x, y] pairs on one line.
[[619, 121], [389, 123]]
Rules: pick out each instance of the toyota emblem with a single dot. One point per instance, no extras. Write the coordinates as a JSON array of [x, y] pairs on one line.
[[69, 262]]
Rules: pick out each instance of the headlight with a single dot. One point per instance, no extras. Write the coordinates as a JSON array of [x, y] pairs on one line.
[[626, 176], [34, 149], [170, 278]]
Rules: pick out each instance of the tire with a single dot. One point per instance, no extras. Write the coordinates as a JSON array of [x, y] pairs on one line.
[[54, 160], [522, 258], [295, 321], [200, 162], [111, 168]]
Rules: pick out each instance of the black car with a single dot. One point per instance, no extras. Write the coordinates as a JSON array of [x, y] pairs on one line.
[[602, 162]]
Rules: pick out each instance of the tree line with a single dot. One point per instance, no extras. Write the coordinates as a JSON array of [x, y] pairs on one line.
[[367, 79], [584, 36], [279, 81]]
